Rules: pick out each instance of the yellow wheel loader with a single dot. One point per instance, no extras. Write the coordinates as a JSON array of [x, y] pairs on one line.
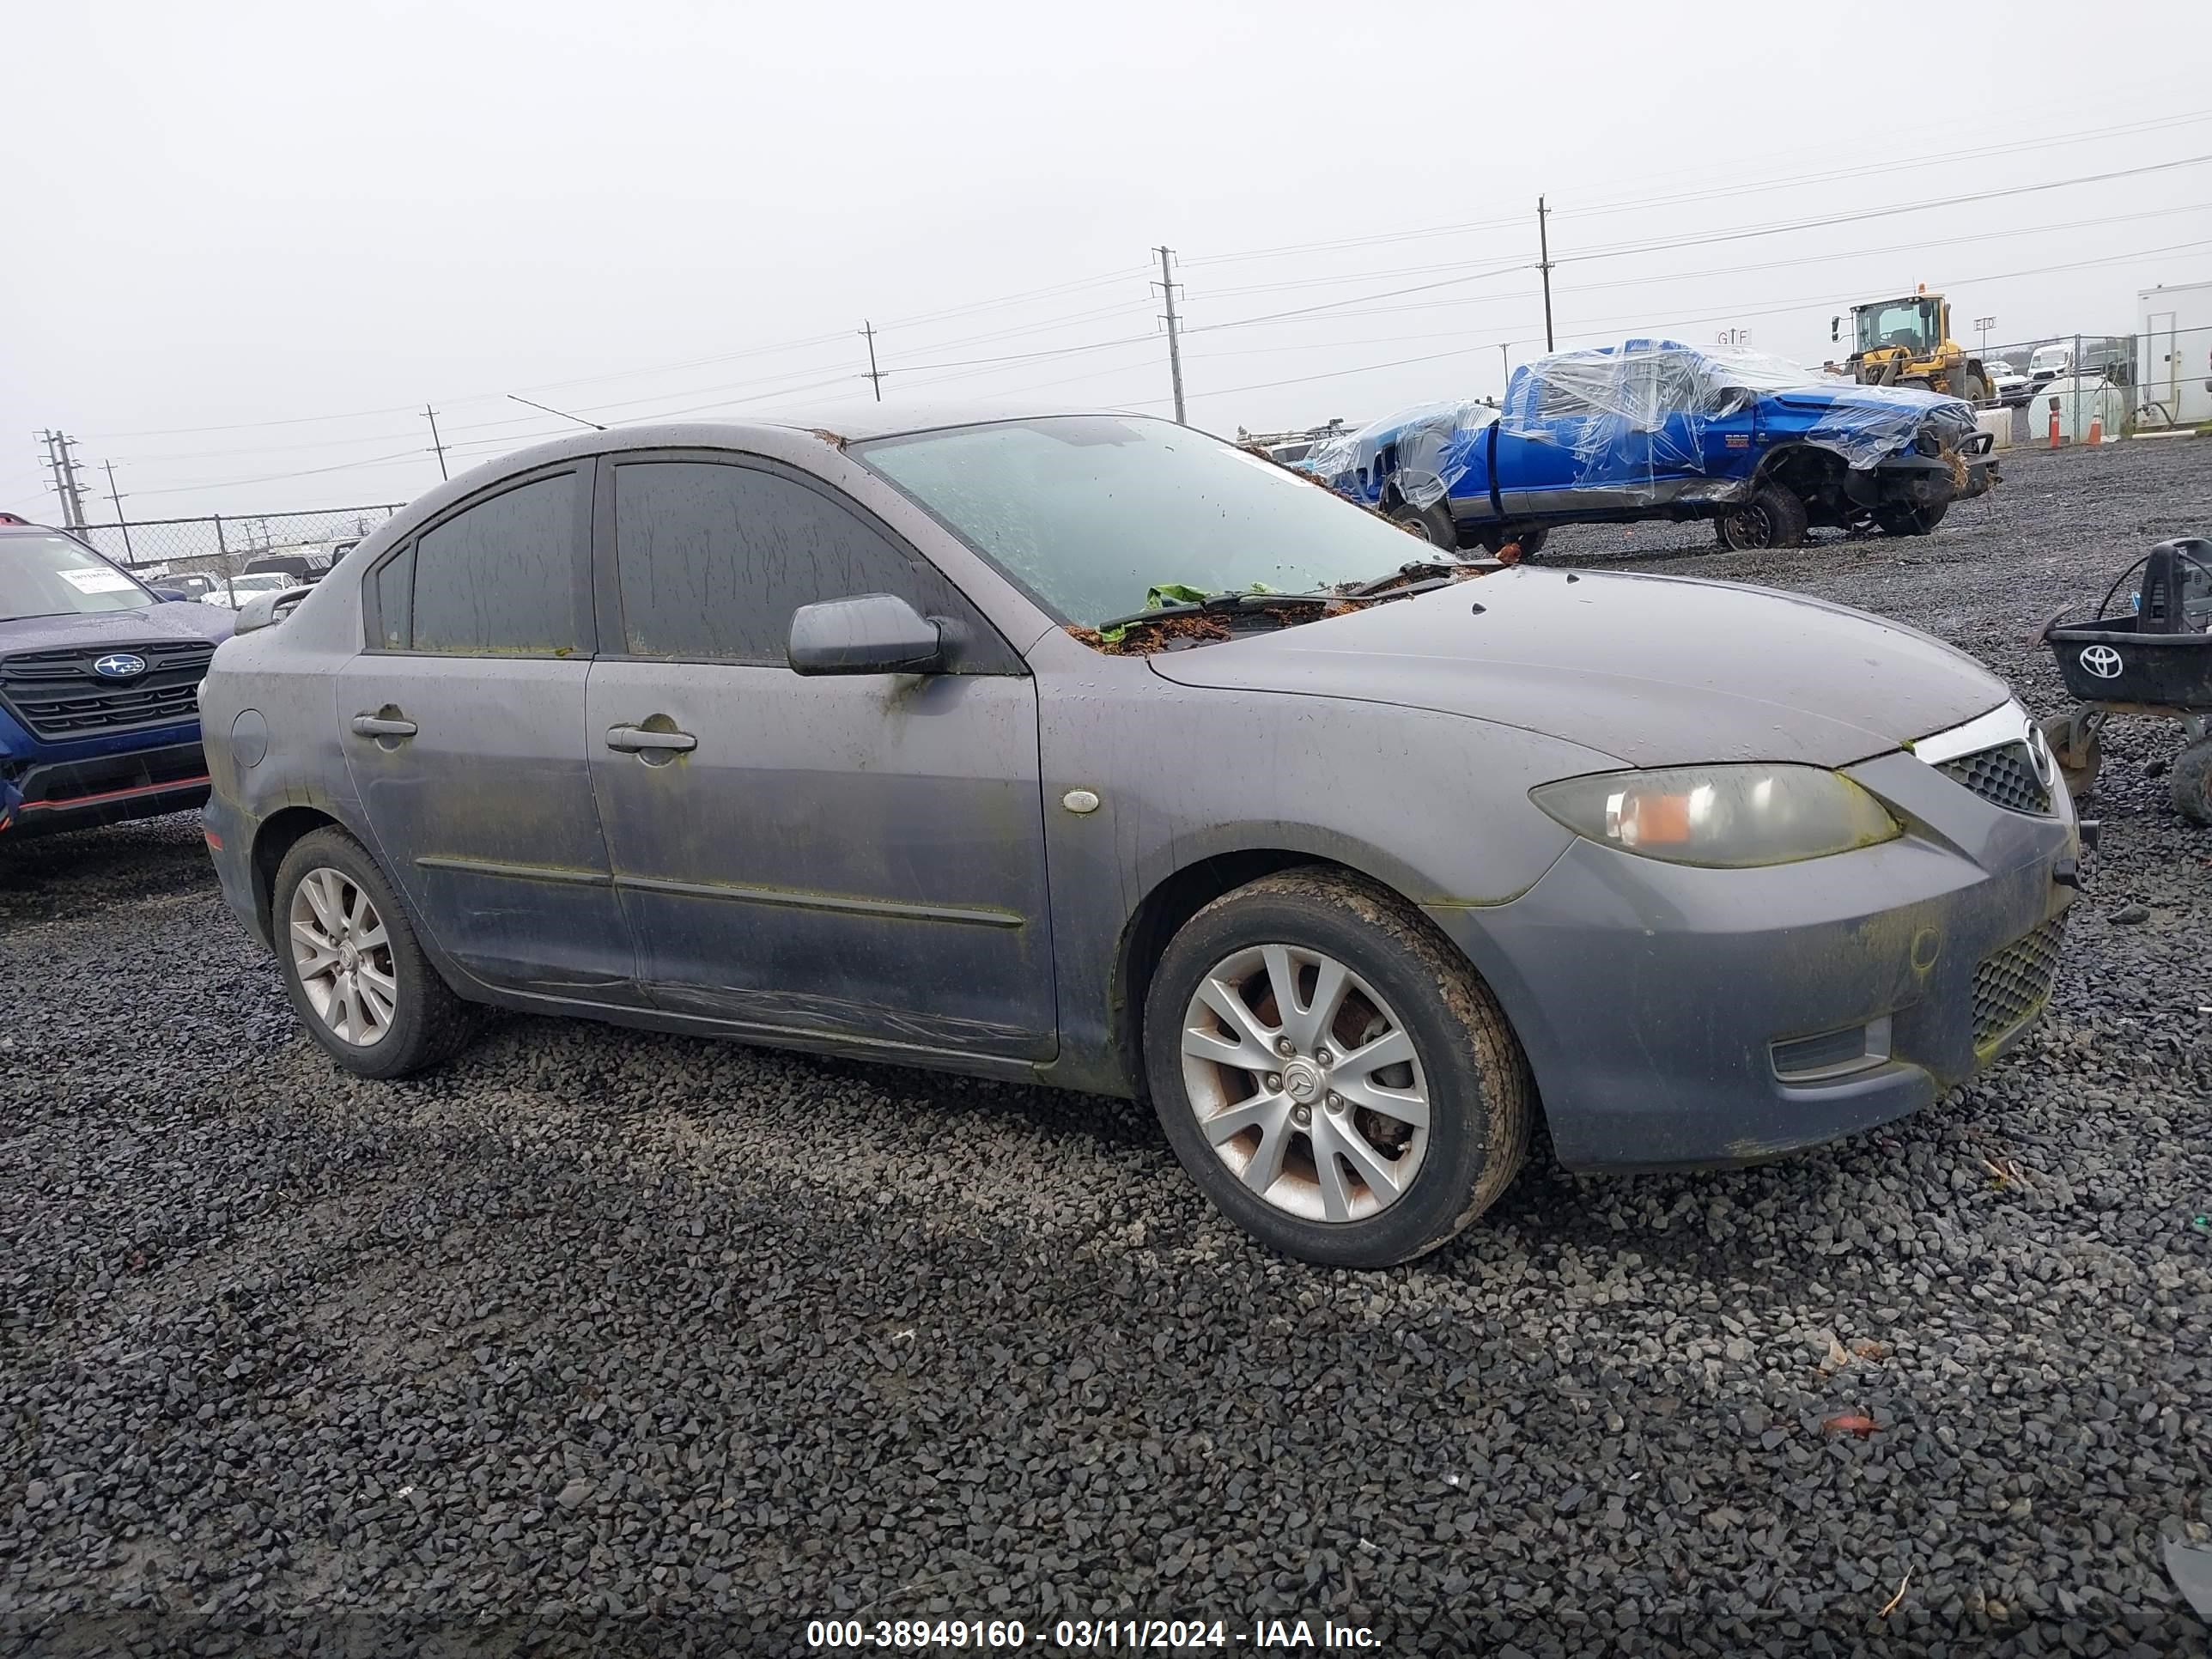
[[1908, 341]]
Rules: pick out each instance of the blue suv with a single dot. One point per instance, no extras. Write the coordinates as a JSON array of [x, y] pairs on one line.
[[99, 678], [1654, 430]]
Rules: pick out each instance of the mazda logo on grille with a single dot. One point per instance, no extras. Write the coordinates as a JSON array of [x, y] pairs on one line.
[[2039, 755], [2102, 661], [119, 666]]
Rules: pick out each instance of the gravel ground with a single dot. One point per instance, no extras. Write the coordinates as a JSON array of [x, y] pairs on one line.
[[602, 1342]]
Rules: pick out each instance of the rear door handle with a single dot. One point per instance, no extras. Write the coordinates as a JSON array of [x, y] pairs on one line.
[[635, 739], [375, 725]]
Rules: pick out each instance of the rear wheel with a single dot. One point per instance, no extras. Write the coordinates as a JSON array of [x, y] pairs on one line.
[[357, 978], [1909, 519], [2078, 758], [1331, 1072], [1433, 522], [2192, 782], [1775, 516], [1530, 542]]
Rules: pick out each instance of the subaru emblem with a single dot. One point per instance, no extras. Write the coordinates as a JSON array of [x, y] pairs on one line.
[[119, 666]]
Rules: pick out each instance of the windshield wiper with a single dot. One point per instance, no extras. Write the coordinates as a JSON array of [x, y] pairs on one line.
[[1218, 604], [1418, 573]]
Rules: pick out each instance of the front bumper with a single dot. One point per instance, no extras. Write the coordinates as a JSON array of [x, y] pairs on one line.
[[78, 794], [1928, 480], [1649, 997]]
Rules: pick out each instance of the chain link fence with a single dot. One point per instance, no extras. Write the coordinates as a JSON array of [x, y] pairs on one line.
[[223, 544], [2159, 378]]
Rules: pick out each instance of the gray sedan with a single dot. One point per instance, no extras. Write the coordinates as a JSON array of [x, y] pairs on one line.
[[1089, 750]]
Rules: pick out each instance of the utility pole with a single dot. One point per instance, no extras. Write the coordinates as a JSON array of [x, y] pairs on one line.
[[65, 479], [875, 375], [54, 464], [1505, 362], [1167, 286], [436, 442], [129, 554], [1544, 264]]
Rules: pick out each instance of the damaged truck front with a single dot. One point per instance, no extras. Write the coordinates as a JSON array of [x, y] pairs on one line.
[[1653, 429]]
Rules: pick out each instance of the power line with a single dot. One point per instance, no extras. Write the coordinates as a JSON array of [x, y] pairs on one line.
[[1733, 312], [1746, 232], [1630, 203]]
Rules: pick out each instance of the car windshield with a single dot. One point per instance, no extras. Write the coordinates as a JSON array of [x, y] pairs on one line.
[[54, 576], [1086, 513], [262, 580]]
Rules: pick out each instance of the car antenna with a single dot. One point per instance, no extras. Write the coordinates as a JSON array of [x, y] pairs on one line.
[[562, 413]]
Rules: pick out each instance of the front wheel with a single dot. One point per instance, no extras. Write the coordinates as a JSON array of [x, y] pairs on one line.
[[1433, 522], [357, 976], [1331, 1073], [1908, 518]]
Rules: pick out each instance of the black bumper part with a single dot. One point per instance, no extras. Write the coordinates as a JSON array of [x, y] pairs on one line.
[[110, 788]]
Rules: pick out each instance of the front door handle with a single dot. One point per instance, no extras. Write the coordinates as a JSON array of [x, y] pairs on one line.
[[376, 726], [636, 739]]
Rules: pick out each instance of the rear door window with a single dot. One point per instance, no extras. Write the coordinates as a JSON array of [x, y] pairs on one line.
[[711, 560], [500, 578]]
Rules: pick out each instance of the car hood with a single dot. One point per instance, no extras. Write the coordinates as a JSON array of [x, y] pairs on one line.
[[178, 620], [1654, 671]]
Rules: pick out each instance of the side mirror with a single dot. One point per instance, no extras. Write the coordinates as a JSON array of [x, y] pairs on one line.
[[264, 609], [870, 634], [169, 595]]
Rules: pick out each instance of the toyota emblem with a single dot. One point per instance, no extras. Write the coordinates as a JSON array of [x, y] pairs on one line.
[[2102, 661]]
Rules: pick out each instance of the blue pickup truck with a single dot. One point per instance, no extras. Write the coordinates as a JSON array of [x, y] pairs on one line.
[[1654, 430], [99, 678]]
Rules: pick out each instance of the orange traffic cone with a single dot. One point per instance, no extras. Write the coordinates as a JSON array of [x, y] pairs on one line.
[[2096, 430]]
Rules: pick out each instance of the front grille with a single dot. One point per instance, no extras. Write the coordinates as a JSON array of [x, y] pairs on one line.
[[57, 694], [2014, 983], [2004, 776]]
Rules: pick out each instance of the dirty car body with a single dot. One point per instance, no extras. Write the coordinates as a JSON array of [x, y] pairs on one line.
[[1654, 430], [640, 810]]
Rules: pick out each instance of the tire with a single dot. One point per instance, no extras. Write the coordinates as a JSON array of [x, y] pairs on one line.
[[2191, 785], [2078, 766], [1403, 983], [1973, 388], [1775, 516], [376, 963], [1432, 523], [1905, 518]]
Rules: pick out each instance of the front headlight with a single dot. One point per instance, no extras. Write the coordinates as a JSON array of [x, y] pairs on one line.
[[1724, 817]]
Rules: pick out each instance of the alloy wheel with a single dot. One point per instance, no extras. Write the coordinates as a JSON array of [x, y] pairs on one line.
[[342, 956], [1305, 1082]]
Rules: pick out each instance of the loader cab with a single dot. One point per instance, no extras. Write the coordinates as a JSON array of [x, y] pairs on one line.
[[1915, 323]]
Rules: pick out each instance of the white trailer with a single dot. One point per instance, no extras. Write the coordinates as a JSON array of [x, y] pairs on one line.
[[2174, 355]]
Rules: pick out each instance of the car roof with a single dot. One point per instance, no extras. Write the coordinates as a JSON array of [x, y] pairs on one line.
[[835, 425]]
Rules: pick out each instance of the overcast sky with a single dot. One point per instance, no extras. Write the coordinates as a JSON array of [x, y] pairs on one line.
[[243, 217]]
